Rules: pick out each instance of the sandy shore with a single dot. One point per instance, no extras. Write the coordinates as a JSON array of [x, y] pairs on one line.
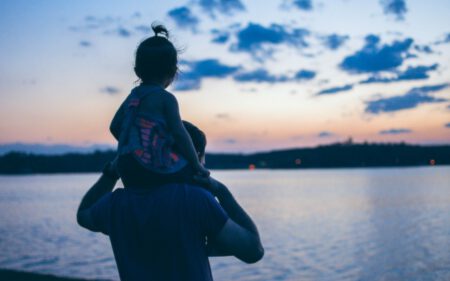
[[12, 275]]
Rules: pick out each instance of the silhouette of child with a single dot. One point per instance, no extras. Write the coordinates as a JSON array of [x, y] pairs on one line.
[[154, 147]]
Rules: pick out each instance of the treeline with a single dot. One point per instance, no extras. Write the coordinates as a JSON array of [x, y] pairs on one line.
[[329, 156], [337, 155], [24, 163]]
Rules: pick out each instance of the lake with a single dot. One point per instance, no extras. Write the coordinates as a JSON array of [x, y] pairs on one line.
[[333, 224]]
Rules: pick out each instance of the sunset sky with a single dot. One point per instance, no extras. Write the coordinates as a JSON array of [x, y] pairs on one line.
[[256, 75]]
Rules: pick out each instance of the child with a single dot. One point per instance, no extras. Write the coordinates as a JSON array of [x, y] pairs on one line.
[[154, 147]]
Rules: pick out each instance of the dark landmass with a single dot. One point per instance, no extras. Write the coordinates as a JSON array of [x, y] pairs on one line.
[[51, 149], [337, 155], [12, 275]]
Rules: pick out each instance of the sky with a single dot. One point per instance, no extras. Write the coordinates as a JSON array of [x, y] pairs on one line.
[[255, 75]]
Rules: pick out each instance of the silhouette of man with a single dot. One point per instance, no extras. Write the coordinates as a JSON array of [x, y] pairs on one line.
[[167, 232]]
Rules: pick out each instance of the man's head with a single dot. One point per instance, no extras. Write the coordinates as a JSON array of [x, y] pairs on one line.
[[198, 139]]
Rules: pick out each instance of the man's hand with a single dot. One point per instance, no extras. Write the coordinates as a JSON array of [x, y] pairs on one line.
[[104, 184], [209, 183]]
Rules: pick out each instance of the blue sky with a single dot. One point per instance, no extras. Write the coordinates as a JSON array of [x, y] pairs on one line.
[[255, 75]]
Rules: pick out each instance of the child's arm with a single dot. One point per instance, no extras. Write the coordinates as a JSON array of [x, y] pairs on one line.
[[181, 136], [116, 123]]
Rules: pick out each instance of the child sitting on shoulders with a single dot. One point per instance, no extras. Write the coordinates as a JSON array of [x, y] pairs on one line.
[[154, 147]]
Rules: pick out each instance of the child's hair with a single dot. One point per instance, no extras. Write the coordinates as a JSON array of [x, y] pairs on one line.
[[156, 57]]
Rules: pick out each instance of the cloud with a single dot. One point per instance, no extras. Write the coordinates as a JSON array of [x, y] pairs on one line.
[[445, 40], [374, 58], [423, 49], [395, 131], [229, 141], [219, 36], [110, 90], [394, 7], [412, 73], [197, 70], [85, 44], [334, 41], [224, 7], [187, 81], [304, 5], [255, 38], [262, 75], [447, 125], [90, 18], [211, 68], [112, 25], [143, 28], [416, 73], [184, 18], [325, 134], [259, 75], [224, 116], [305, 74], [95, 23], [335, 90], [411, 99], [123, 32]]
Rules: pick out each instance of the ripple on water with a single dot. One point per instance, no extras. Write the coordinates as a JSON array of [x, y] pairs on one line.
[[320, 225]]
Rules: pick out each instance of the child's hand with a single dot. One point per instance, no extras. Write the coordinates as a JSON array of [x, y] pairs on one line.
[[209, 183], [202, 171]]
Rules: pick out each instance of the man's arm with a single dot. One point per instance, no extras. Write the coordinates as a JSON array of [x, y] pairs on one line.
[[239, 236], [104, 184]]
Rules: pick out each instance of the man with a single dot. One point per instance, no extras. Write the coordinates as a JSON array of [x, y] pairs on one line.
[[167, 233]]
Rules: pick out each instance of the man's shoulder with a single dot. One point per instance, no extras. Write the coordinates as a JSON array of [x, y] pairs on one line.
[[189, 189], [187, 197], [199, 191]]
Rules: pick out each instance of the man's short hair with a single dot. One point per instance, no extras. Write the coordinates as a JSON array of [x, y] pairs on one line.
[[197, 136]]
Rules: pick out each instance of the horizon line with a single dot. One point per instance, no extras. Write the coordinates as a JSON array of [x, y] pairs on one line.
[[90, 148]]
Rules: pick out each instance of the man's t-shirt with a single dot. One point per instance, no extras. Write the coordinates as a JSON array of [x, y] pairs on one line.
[[159, 234]]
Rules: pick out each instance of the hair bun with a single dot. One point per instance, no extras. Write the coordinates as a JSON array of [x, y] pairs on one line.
[[160, 29]]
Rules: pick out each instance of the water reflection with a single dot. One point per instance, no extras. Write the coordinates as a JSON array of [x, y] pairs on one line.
[[361, 224], [407, 226]]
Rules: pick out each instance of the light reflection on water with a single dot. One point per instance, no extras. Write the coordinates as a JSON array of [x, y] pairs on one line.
[[336, 224]]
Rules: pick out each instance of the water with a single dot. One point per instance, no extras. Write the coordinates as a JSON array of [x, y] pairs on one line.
[[337, 224]]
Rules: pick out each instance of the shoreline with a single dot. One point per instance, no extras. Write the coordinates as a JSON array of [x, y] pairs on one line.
[[340, 155], [250, 169], [15, 275]]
